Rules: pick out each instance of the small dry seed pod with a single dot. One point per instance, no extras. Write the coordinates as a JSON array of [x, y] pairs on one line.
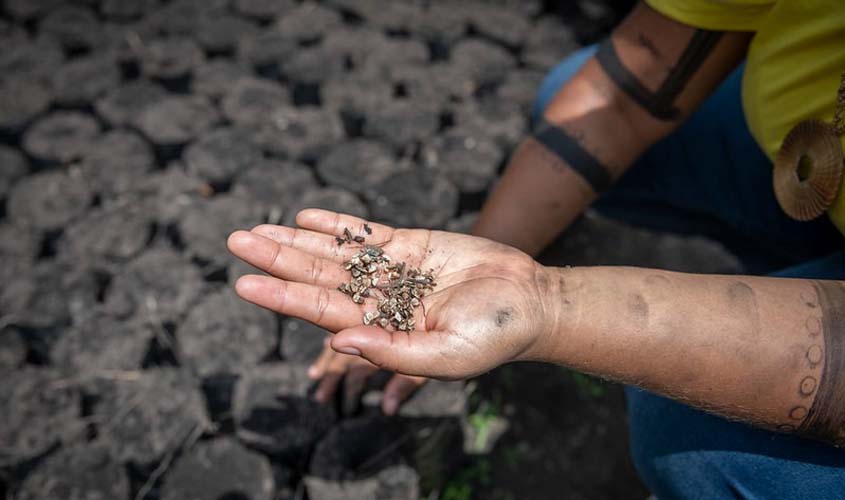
[[808, 170], [369, 317]]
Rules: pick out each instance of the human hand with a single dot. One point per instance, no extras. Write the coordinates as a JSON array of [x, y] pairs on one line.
[[490, 305], [332, 368]]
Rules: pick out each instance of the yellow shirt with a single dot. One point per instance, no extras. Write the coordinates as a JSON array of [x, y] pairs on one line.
[[793, 66]]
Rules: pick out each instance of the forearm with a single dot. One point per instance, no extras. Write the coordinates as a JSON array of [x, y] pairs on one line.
[[540, 192], [767, 351], [533, 202]]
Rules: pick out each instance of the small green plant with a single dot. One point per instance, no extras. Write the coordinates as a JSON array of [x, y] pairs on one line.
[[457, 491], [481, 421]]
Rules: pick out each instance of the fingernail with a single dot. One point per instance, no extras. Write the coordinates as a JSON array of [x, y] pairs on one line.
[[348, 350], [390, 406]]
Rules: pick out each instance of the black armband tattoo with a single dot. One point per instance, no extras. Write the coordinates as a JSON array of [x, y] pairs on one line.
[[661, 103], [825, 419], [567, 148]]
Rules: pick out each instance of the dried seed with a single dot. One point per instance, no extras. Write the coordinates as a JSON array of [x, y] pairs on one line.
[[399, 287]]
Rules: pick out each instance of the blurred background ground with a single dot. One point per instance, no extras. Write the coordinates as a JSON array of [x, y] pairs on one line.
[[136, 134]]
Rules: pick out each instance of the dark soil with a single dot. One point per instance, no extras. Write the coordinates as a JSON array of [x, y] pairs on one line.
[[220, 469], [223, 334], [274, 413], [176, 120], [141, 416], [117, 162], [121, 105], [272, 184], [77, 473], [80, 81], [61, 137]]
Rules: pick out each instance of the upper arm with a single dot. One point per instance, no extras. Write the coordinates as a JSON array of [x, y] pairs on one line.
[[654, 74]]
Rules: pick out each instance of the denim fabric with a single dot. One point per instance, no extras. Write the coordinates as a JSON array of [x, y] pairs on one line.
[[710, 178]]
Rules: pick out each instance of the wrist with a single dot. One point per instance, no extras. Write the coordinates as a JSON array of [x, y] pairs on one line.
[[557, 289]]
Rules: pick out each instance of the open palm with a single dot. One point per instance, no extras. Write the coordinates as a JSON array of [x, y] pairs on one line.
[[486, 309]]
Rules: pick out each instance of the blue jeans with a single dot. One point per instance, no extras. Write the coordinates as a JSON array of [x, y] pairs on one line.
[[710, 178]]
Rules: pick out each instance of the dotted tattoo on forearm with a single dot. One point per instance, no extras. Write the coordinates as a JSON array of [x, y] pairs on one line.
[[821, 412]]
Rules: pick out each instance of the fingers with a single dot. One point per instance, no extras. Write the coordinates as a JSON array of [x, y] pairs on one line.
[[330, 367], [327, 308], [333, 223], [318, 230], [319, 366], [316, 244], [285, 262], [327, 387], [355, 382], [398, 389], [410, 353]]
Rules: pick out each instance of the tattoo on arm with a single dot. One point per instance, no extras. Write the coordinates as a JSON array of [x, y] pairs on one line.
[[649, 46], [568, 148], [824, 419], [661, 103]]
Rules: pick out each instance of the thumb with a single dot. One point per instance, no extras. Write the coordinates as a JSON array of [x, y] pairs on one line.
[[409, 353]]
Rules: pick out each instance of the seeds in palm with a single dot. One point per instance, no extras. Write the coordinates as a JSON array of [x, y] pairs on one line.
[[398, 287]]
